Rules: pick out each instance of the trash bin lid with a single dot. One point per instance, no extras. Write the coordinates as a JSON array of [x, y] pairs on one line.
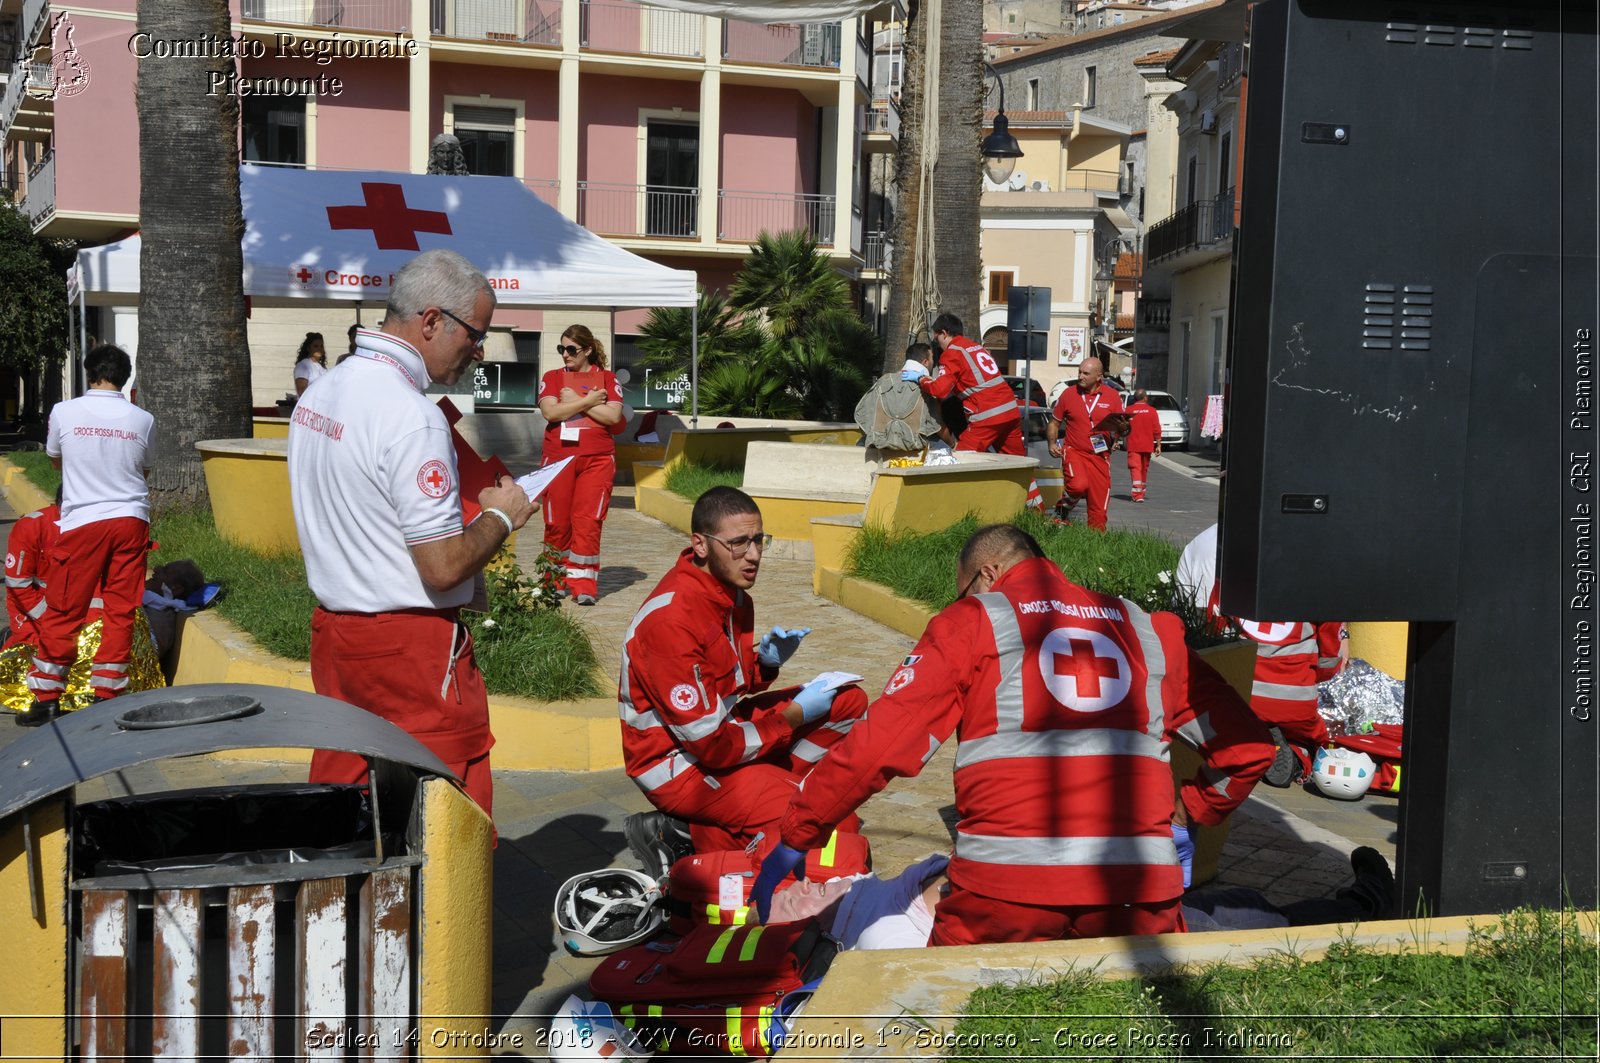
[[183, 721]]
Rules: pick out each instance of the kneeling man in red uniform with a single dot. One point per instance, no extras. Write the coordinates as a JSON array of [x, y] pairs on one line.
[[702, 735], [1064, 701]]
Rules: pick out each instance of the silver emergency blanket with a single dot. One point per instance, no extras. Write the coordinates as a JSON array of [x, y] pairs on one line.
[[1359, 695]]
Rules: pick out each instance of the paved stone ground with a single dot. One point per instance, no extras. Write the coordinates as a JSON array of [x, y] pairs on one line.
[[1291, 845]]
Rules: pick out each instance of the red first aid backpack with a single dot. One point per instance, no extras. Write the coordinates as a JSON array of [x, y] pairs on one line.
[[1382, 744], [715, 990], [714, 888]]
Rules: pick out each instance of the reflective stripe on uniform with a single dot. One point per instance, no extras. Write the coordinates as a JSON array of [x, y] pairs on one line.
[[664, 771], [1065, 852], [19, 582], [1007, 407], [1155, 665], [38, 610], [1198, 731], [974, 389], [700, 727], [1008, 645], [1098, 742], [582, 559], [752, 741], [1306, 645], [829, 850], [807, 750], [1283, 691], [625, 709]]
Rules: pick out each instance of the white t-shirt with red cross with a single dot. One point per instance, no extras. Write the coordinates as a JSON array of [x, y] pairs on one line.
[[372, 473], [103, 441]]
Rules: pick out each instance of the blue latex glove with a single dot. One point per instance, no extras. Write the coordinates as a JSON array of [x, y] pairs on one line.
[[1185, 844], [815, 700], [778, 865], [778, 645]]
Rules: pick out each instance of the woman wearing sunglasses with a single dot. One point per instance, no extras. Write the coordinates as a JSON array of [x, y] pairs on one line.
[[582, 407]]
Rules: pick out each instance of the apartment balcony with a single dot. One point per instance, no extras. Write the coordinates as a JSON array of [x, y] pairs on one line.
[[655, 211], [1193, 236], [378, 16], [880, 126], [501, 21], [743, 216], [782, 44], [39, 202], [875, 251], [619, 26], [548, 191], [1152, 326]]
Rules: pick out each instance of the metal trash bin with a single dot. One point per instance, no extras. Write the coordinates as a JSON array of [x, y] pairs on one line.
[[254, 921]]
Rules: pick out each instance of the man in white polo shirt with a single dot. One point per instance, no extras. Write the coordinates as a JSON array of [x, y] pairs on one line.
[[100, 441], [372, 473]]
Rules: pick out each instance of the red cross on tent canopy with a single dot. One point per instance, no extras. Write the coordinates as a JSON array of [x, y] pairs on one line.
[[394, 225]]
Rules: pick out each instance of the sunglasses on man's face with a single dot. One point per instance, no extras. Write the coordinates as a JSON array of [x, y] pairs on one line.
[[572, 351]]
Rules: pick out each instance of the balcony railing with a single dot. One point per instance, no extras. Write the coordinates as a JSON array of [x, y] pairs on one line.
[[388, 16], [1230, 65], [508, 21], [638, 210], [11, 102], [743, 216], [548, 190], [883, 116], [1198, 226], [40, 202], [816, 45], [1155, 313], [618, 26], [875, 250]]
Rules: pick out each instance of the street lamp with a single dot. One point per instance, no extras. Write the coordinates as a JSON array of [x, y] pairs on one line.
[[1000, 148]]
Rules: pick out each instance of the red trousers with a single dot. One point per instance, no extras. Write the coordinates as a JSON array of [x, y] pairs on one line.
[[726, 809], [964, 918], [575, 506], [107, 555], [1139, 471], [1003, 435], [416, 670], [1087, 476]]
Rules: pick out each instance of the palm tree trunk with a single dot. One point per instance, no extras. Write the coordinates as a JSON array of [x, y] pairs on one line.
[[956, 182], [194, 362]]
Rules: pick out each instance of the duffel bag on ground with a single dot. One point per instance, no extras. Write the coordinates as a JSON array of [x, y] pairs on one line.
[[714, 888]]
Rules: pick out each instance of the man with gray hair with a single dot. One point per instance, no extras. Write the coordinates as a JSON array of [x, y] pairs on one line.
[[372, 474]]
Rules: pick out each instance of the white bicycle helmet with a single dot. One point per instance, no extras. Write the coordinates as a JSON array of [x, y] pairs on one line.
[[1345, 774], [605, 911], [585, 1029]]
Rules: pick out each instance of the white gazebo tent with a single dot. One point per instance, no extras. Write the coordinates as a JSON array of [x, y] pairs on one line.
[[320, 237]]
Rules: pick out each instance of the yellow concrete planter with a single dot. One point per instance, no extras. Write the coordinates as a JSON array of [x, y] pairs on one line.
[[529, 735], [863, 1006], [269, 427], [248, 480], [22, 494]]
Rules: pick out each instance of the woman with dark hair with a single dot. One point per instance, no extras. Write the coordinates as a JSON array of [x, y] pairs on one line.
[[310, 363], [582, 407]]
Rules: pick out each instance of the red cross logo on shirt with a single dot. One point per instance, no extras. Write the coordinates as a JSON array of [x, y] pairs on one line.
[[1084, 669], [394, 225], [433, 479], [303, 275]]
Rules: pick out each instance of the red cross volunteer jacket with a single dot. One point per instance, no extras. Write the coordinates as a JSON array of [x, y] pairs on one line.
[[687, 658], [33, 536], [967, 369], [1065, 701]]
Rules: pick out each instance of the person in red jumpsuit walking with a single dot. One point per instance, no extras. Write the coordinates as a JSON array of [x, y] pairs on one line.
[[28, 571], [100, 441], [1063, 701], [1084, 453], [702, 734], [1144, 440], [582, 407], [994, 421]]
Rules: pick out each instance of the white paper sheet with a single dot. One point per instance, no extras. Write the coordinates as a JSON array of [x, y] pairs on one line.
[[835, 680], [538, 482]]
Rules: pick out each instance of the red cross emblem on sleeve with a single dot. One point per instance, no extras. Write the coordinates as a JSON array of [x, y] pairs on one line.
[[394, 225], [434, 479], [1084, 669]]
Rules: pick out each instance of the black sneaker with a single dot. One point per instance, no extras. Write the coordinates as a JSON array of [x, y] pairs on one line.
[[1373, 888], [1285, 765], [39, 713], [657, 840]]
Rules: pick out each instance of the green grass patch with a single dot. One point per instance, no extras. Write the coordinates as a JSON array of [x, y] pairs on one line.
[[265, 595], [923, 567], [37, 467], [522, 650], [690, 481], [1528, 992]]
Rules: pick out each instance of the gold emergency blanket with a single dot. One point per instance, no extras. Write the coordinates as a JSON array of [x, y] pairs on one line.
[[144, 669]]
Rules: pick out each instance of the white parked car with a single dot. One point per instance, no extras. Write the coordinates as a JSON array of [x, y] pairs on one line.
[[1174, 425]]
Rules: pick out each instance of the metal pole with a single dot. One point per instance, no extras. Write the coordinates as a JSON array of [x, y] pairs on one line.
[[694, 363]]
